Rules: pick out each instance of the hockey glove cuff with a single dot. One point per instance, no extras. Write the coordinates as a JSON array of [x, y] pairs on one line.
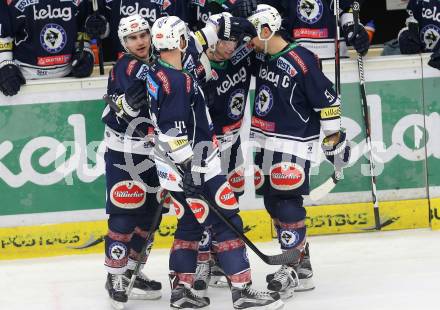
[[11, 78], [337, 152]]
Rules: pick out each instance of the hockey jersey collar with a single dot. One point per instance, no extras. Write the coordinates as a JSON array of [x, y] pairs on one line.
[[288, 48]]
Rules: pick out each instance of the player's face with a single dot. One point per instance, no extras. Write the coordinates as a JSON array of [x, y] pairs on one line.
[[139, 44], [257, 44], [225, 49]]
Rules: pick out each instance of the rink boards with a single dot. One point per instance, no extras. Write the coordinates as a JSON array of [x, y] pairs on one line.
[[87, 237], [55, 206]]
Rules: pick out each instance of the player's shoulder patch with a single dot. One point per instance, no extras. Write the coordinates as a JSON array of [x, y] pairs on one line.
[[163, 77], [130, 66], [21, 5], [142, 72], [298, 56], [153, 88], [240, 53]]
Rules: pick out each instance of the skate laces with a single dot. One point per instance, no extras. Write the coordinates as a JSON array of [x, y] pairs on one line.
[[257, 293], [118, 282], [284, 274]]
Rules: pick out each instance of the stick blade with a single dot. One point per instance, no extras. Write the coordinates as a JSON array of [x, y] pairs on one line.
[[322, 190], [288, 257]]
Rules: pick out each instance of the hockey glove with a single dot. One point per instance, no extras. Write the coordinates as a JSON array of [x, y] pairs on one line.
[[337, 152], [435, 60], [192, 182], [134, 99], [82, 63], [97, 26], [358, 40], [242, 8], [409, 40], [11, 78], [235, 29]]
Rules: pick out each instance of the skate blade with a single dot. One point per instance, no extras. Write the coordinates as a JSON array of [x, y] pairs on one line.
[[279, 304], [305, 285], [145, 295], [117, 305]]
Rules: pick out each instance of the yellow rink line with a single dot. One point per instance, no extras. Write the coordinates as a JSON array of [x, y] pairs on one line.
[[87, 237]]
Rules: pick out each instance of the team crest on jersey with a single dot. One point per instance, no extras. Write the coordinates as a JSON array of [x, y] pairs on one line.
[[199, 208], [430, 34], [309, 11], [53, 38], [286, 176], [236, 104], [263, 101], [128, 194]]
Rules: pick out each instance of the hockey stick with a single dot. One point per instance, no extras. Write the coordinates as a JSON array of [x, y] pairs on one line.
[[285, 258], [326, 187], [337, 51], [366, 115], [99, 42], [150, 234]]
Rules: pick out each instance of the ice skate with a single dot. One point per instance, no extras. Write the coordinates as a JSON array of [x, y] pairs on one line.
[[143, 288], [183, 297], [284, 281], [248, 298], [116, 287]]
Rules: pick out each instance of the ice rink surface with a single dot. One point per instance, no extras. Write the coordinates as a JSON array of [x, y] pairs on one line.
[[387, 270]]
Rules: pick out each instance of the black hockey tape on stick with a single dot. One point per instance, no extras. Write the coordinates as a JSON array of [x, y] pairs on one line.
[[366, 115], [288, 257]]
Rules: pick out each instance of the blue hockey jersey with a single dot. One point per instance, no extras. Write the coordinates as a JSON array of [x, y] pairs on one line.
[[118, 135], [41, 35], [148, 9], [293, 101], [226, 94], [312, 24], [427, 13], [183, 124]]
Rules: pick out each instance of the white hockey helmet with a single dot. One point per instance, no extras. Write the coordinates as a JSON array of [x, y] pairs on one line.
[[131, 24], [167, 31], [266, 15]]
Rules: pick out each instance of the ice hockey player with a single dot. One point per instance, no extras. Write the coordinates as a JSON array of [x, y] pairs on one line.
[[185, 134], [422, 31], [231, 71], [42, 39], [312, 24], [148, 9], [293, 102], [132, 183]]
